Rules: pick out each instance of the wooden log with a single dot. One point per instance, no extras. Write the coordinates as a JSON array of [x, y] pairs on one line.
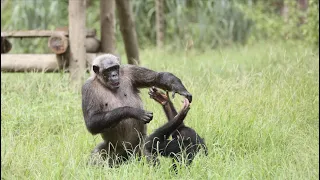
[[5, 45], [58, 43], [92, 45], [29, 62], [107, 26], [43, 33], [77, 26], [128, 31], [39, 62]]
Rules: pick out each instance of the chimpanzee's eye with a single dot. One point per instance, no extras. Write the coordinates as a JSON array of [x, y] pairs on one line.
[[105, 74], [114, 68]]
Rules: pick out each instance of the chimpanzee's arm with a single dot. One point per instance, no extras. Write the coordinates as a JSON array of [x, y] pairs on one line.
[[167, 129], [169, 110], [143, 77], [96, 122]]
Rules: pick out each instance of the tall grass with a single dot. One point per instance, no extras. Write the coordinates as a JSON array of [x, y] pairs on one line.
[[257, 108]]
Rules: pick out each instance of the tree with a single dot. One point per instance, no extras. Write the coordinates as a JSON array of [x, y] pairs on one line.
[[159, 23], [107, 18], [128, 31]]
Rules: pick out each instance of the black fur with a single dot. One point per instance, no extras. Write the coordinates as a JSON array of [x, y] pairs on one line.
[[185, 141]]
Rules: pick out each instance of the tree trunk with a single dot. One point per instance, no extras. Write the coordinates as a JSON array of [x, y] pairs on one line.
[[107, 20], [303, 6], [128, 31], [159, 23], [284, 12], [77, 35]]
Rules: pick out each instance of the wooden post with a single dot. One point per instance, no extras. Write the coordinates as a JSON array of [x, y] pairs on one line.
[[128, 31], [159, 23], [77, 35], [107, 20]]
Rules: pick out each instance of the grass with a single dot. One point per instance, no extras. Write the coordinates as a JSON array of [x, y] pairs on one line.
[[257, 108]]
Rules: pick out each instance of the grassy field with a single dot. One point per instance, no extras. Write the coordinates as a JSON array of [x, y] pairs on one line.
[[257, 108]]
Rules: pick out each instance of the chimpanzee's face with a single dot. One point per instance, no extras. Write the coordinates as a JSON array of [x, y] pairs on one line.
[[111, 77]]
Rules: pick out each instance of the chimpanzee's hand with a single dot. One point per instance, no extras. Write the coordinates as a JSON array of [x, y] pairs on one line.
[[186, 94], [144, 116]]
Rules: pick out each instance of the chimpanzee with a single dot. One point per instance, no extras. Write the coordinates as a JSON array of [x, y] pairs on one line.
[[112, 106], [185, 141]]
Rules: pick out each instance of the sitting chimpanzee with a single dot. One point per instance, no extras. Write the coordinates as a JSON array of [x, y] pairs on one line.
[[185, 142]]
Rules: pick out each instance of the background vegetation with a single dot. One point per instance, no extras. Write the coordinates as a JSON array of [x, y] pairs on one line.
[[254, 78], [207, 23]]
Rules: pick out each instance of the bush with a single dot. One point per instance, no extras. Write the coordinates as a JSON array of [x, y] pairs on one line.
[[269, 24]]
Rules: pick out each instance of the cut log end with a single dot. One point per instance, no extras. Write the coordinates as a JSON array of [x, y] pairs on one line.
[[58, 43]]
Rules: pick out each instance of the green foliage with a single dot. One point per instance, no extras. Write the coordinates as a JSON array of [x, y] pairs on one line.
[[310, 30], [206, 23], [269, 24], [29, 15], [256, 106], [144, 16]]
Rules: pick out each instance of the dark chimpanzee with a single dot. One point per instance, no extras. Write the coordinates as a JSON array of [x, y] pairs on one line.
[[112, 106], [185, 140]]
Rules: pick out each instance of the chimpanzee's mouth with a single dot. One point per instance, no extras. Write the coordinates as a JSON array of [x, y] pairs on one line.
[[115, 84]]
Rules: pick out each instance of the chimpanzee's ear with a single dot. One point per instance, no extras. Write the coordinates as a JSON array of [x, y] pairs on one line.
[[96, 69]]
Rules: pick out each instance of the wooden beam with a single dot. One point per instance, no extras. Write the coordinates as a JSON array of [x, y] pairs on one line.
[[77, 27], [31, 33], [29, 62], [38, 62], [41, 33]]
